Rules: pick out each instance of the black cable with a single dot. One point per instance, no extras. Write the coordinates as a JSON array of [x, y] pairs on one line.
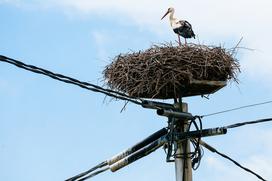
[[170, 142], [197, 129], [103, 164], [196, 155], [239, 165], [70, 80], [94, 174], [237, 108], [227, 157], [212, 149], [125, 97], [248, 122]]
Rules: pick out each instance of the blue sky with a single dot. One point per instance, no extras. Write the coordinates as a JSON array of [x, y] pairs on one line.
[[50, 130]]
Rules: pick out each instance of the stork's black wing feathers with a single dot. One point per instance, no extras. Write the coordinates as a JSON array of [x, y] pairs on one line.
[[185, 30], [187, 24]]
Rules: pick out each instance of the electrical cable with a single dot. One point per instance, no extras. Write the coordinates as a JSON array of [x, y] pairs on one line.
[[101, 165], [248, 122], [196, 160], [70, 80], [239, 165], [198, 151], [94, 174], [137, 101], [237, 108], [195, 156], [170, 143], [95, 88], [212, 149]]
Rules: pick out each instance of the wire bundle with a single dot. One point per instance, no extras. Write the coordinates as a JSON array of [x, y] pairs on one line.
[[195, 156]]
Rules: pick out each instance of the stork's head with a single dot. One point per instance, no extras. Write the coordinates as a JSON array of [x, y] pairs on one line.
[[170, 10]]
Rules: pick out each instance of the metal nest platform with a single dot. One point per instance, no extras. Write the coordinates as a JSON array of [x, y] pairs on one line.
[[194, 88], [167, 71], [203, 87]]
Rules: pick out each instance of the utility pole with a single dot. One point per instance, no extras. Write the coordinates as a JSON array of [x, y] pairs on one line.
[[177, 134], [183, 165]]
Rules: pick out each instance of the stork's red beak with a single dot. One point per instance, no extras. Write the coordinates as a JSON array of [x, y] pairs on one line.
[[165, 15]]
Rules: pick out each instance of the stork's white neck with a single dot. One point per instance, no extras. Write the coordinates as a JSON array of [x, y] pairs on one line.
[[173, 20], [171, 17]]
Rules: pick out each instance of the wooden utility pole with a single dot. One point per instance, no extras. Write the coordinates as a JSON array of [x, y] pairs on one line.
[[183, 165]]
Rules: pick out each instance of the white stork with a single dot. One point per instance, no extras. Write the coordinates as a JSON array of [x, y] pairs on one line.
[[180, 27]]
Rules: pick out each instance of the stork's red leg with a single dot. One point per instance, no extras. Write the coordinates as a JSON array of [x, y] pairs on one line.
[[179, 41], [185, 41]]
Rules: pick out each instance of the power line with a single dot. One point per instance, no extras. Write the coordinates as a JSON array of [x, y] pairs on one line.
[[94, 174], [134, 100], [70, 80], [236, 125], [237, 108], [161, 135], [248, 122], [96, 88], [239, 165], [101, 165], [212, 149], [140, 145]]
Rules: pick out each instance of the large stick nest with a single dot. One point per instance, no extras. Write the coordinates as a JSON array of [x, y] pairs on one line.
[[165, 71]]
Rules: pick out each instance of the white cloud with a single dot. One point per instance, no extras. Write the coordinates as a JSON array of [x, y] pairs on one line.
[[214, 22]]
